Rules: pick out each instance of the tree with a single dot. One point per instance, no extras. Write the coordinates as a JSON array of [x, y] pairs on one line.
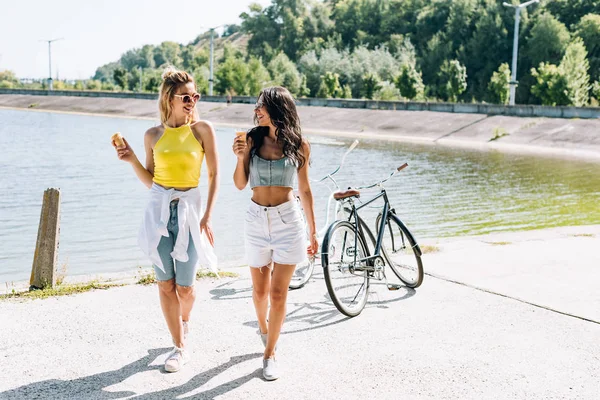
[[120, 77], [547, 41], [588, 29], [551, 86], [454, 74], [371, 84], [499, 85], [596, 90], [330, 86], [8, 79], [346, 92], [387, 92], [93, 84], [410, 83], [571, 11], [284, 73], [258, 76], [574, 66], [304, 90], [105, 73]]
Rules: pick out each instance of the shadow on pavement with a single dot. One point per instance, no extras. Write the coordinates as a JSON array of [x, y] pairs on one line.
[[92, 387]]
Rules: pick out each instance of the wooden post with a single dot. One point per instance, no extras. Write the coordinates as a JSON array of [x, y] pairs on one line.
[[43, 270]]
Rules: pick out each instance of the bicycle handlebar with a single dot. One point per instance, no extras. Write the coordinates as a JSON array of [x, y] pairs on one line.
[[352, 147], [400, 168]]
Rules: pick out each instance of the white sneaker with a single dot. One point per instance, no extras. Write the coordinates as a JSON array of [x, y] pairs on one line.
[[176, 359], [270, 370]]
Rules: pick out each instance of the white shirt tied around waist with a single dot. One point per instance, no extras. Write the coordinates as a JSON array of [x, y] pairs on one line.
[[189, 213]]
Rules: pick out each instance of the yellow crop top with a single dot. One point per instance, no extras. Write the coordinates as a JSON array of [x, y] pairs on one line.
[[178, 158]]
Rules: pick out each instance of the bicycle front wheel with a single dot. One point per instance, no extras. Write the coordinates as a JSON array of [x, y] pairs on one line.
[[342, 256], [401, 252], [302, 273]]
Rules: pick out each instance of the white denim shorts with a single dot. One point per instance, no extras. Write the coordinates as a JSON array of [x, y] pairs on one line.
[[275, 234]]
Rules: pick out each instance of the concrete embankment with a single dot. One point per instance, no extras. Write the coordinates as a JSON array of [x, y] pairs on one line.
[[578, 138]]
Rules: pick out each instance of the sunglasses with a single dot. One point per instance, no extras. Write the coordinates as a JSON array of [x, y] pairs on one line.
[[259, 104], [186, 98]]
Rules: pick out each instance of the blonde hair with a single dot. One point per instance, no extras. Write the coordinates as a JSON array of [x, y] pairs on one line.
[[172, 78]]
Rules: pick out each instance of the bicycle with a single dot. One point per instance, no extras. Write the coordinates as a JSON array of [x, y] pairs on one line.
[[304, 271], [349, 262]]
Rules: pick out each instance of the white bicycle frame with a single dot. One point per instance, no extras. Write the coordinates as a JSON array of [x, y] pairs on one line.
[[332, 187]]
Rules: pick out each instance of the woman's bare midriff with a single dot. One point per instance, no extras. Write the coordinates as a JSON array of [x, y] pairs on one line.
[[272, 196]]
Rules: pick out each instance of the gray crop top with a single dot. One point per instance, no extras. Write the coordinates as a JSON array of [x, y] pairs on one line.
[[271, 172]]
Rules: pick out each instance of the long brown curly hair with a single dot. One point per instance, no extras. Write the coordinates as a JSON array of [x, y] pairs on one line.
[[281, 107]]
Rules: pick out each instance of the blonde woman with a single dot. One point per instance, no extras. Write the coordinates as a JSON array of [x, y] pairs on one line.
[[272, 155], [176, 232]]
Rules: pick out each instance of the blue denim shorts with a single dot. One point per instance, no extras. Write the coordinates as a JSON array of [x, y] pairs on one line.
[[183, 272]]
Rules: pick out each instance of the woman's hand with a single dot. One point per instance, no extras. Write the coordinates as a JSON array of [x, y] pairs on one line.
[[313, 247], [125, 152], [205, 227], [240, 147]]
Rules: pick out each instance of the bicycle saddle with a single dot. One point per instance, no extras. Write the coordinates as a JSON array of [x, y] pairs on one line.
[[346, 194]]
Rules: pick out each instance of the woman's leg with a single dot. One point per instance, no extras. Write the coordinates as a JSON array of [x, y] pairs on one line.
[[171, 309], [261, 280], [185, 279], [280, 281]]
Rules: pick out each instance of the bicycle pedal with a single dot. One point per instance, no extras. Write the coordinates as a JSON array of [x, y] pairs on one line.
[[393, 286]]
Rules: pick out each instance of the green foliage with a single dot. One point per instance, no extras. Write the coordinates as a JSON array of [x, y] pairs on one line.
[[258, 77], [330, 86], [120, 77], [387, 92], [304, 90], [346, 92], [105, 73], [93, 84], [300, 41], [499, 85], [410, 83], [574, 66], [231, 76], [596, 90], [547, 41], [454, 74], [371, 84], [571, 11], [8, 80], [588, 29], [551, 85], [284, 73]]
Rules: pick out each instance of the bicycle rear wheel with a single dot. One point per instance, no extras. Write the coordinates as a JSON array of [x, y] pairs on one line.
[[345, 274], [401, 251]]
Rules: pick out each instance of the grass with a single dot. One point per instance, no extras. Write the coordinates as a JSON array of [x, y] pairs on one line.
[[150, 277], [499, 133], [499, 243], [59, 290], [33, 105], [428, 249], [147, 279], [209, 274], [584, 235]]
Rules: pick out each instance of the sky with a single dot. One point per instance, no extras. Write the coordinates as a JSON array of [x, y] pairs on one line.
[[96, 32]]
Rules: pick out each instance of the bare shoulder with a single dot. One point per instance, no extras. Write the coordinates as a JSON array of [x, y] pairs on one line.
[[305, 147], [154, 132], [202, 127]]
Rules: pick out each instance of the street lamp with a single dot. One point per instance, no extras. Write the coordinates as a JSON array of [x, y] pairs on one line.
[[50, 60], [513, 80]]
